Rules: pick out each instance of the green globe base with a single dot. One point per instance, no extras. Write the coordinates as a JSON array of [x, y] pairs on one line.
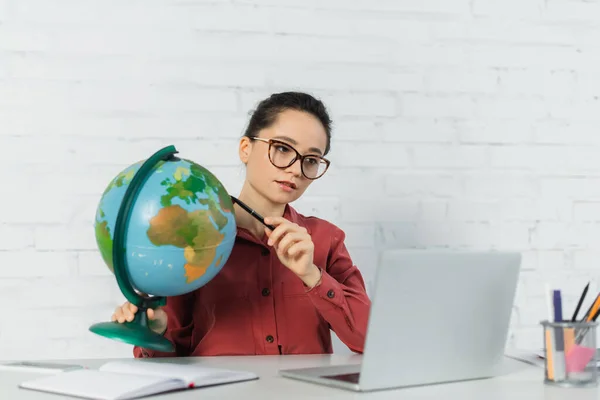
[[135, 332]]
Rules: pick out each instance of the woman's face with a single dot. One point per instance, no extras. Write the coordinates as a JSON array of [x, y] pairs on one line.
[[299, 130]]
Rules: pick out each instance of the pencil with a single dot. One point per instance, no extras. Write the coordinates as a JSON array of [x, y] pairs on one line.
[[252, 212]]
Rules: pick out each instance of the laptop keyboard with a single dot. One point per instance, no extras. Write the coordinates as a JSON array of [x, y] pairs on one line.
[[351, 378]]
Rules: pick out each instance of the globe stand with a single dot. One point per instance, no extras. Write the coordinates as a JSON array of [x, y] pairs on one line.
[[137, 332]]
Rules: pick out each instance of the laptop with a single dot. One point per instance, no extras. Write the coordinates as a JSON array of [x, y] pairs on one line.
[[436, 317]]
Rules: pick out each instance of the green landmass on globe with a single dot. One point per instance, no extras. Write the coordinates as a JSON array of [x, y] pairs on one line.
[[188, 229]]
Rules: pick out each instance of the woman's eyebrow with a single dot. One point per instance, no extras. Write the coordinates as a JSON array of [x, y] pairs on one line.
[[292, 141]]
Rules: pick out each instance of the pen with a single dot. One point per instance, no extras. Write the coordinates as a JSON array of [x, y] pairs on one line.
[[557, 306], [585, 290], [559, 338], [252, 212]]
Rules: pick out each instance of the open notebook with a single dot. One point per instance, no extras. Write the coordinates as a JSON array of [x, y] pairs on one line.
[[130, 379]]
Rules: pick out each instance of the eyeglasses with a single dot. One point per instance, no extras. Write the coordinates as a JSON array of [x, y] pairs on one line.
[[282, 155]]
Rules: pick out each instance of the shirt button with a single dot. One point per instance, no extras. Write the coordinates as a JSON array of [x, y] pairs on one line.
[[331, 294], [265, 252], [270, 339], [266, 292]]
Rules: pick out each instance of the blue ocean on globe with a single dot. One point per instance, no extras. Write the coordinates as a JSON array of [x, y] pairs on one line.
[[182, 227]]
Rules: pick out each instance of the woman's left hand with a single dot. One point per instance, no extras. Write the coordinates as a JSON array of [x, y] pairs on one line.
[[294, 247]]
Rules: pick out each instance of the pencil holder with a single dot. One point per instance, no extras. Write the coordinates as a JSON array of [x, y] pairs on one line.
[[570, 353]]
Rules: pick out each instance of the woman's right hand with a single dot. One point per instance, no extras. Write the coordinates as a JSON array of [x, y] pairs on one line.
[[157, 317]]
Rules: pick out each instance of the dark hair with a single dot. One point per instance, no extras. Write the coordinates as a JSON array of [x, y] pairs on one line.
[[268, 109]]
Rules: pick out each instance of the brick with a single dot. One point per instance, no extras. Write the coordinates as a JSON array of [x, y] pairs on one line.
[[57, 324], [493, 185], [553, 260], [556, 159], [355, 129], [4, 67], [570, 11], [437, 6], [448, 106], [455, 235], [529, 262], [495, 131], [580, 109], [64, 292], [4, 10], [90, 263], [370, 155], [435, 156], [359, 235], [586, 259], [62, 96], [509, 8], [406, 184], [363, 104], [16, 237], [310, 21], [509, 210], [566, 132], [395, 26], [349, 77], [579, 188], [386, 210], [419, 130], [492, 30], [509, 107], [211, 154], [61, 237], [506, 55], [449, 55], [349, 182], [433, 210], [551, 235], [586, 211], [319, 206], [539, 82], [124, 70], [511, 236], [588, 83], [292, 48], [30, 210], [451, 80], [36, 264], [398, 234], [94, 12]]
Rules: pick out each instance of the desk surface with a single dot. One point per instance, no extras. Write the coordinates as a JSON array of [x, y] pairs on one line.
[[518, 381]]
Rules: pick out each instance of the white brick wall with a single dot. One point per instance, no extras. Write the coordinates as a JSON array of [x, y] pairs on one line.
[[466, 124]]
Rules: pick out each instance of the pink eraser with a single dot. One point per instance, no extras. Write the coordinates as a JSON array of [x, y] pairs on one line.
[[578, 358]]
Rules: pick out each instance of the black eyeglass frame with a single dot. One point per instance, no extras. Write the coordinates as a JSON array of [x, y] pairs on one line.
[[271, 142]]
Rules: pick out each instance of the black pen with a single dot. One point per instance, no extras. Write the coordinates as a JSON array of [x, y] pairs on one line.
[[252, 212], [574, 318]]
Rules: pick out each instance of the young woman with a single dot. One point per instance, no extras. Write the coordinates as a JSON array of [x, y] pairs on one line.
[[280, 291]]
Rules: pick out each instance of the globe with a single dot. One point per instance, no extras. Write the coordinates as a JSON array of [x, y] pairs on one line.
[[165, 226]]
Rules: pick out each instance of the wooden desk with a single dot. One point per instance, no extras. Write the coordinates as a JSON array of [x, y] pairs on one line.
[[518, 381]]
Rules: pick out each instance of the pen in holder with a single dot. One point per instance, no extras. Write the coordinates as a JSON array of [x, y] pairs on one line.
[[570, 353]]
